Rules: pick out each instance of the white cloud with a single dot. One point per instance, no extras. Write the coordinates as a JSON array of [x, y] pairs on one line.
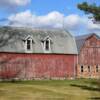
[[53, 19], [73, 21], [22, 19], [19, 2], [9, 3], [92, 26]]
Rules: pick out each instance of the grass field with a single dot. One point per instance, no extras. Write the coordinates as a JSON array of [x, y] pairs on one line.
[[82, 89]]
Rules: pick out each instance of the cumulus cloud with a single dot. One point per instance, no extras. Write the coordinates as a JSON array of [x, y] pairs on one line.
[[73, 21], [13, 3], [93, 27], [22, 19], [90, 26], [53, 19]]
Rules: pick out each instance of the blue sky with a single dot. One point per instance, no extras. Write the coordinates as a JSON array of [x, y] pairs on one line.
[[47, 13], [63, 6]]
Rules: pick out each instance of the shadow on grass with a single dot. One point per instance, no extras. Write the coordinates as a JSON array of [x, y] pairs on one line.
[[90, 88], [94, 98], [88, 84]]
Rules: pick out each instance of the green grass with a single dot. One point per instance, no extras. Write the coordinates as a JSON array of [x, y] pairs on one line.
[[82, 89]]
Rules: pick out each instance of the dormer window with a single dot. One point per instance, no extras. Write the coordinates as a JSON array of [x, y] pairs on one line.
[[29, 44], [47, 44]]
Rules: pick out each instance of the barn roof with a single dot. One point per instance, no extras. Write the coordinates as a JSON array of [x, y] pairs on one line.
[[12, 40], [81, 39]]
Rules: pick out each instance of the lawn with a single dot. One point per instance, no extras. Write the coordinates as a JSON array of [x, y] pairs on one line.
[[82, 89]]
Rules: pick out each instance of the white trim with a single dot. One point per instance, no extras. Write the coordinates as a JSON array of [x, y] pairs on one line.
[[47, 37], [75, 74], [29, 36], [31, 47], [44, 44]]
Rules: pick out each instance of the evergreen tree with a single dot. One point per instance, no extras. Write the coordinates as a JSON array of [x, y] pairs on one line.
[[91, 9]]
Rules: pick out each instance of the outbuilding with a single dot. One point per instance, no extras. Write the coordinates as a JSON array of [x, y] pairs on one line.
[[88, 56]]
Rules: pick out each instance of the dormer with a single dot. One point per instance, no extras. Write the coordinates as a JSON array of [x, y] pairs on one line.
[[46, 44], [28, 45]]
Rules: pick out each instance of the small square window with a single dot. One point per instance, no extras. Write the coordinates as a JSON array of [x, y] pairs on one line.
[[89, 69], [82, 70], [97, 68]]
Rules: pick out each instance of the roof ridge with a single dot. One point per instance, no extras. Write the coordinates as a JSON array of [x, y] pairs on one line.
[[33, 28]]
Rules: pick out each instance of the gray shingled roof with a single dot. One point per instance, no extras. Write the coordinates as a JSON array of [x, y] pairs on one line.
[[81, 39], [12, 40]]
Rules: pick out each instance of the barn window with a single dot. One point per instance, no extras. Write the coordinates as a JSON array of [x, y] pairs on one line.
[[89, 69], [47, 44], [97, 68], [28, 44], [82, 69]]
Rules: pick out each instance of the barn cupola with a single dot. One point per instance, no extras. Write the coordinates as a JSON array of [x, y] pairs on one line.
[[46, 43], [28, 44]]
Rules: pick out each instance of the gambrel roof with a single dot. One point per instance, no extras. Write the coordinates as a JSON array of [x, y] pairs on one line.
[[12, 40], [80, 40]]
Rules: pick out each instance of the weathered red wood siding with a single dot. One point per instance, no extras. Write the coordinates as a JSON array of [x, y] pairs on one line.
[[89, 56], [31, 66], [90, 52]]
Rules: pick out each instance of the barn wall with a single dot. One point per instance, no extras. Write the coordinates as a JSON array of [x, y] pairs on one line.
[[36, 66], [86, 73], [89, 56]]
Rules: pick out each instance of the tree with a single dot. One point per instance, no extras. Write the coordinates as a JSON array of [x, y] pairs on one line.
[[91, 9]]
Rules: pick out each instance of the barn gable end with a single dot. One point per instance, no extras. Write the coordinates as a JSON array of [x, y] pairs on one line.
[[89, 57]]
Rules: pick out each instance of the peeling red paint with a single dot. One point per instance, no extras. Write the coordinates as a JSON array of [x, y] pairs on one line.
[[30, 66], [90, 52], [89, 56]]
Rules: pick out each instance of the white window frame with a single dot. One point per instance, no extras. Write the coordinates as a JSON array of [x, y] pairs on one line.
[[49, 45], [31, 45]]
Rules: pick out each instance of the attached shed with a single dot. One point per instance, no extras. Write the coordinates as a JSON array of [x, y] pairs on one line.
[[27, 53], [88, 56]]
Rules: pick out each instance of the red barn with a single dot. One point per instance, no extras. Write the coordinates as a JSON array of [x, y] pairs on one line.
[[89, 56], [27, 53]]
